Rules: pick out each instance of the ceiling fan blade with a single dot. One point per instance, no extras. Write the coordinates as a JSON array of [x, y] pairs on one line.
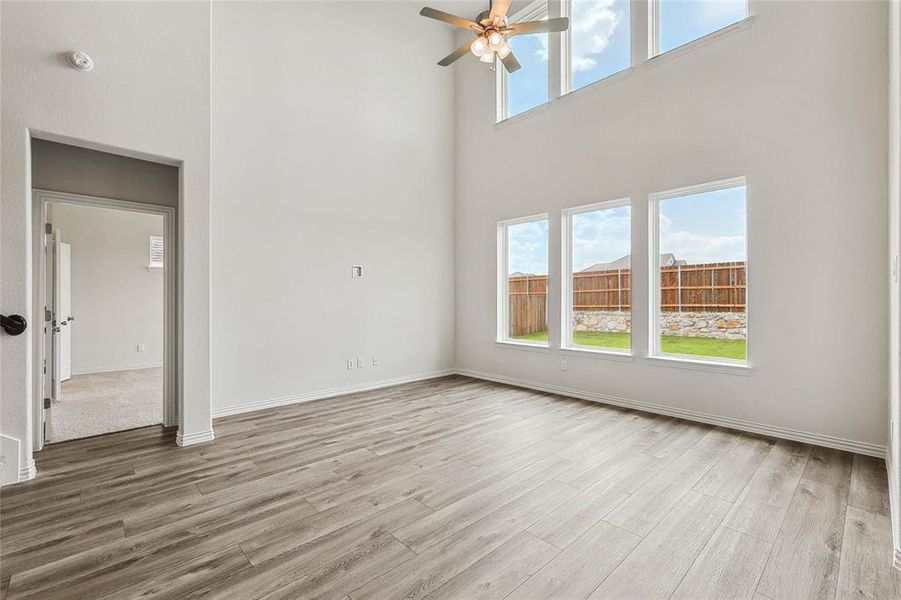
[[559, 24], [499, 8], [510, 63], [455, 55], [447, 18]]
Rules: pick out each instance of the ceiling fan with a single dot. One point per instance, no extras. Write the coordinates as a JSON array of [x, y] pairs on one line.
[[492, 30]]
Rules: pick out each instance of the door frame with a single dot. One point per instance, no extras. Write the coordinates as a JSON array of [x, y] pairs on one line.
[[40, 201]]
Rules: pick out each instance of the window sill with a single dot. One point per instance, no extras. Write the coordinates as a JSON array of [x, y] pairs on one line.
[[604, 354], [701, 41], [523, 346], [596, 85], [684, 362], [523, 115]]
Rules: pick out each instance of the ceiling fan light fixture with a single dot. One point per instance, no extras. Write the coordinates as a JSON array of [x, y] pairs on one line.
[[495, 40], [503, 50], [487, 56], [479, 46]]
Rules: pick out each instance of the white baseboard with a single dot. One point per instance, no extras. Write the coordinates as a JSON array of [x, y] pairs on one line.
[[690, 415], [193, 439], [28, 473], [134, 367], [328, 393]]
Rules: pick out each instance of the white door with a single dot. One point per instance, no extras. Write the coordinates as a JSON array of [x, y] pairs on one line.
[[61, 345], [65, 311]]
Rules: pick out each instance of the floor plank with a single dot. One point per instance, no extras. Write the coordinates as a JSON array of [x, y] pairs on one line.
[[728, 567], [581, 567], [805, 559], [866, 542], [668, 551], [500, 572]]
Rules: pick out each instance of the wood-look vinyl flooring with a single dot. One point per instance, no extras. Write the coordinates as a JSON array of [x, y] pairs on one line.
[[451, 488]]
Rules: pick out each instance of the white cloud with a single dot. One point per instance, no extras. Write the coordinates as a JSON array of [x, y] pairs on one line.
[[528, 247], [600, 236], [697, 248], [592, 26]]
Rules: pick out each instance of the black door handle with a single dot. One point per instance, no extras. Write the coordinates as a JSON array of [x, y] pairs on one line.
[[13, 324]]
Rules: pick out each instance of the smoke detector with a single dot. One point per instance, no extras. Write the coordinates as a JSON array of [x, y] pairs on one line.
[[80, 61]]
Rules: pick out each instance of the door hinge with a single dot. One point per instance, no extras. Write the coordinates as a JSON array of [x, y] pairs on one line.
[[46, 314], [45, 366], [46, 403], [48, 228]]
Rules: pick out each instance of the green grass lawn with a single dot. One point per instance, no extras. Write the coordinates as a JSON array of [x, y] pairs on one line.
[[670, 344]]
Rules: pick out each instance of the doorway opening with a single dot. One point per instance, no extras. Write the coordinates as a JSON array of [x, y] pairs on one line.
[[105, 287]]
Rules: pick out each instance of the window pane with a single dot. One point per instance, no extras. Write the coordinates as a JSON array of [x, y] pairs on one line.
[[527, 280], [681, 21], [702, 244], [527, 87], [601, 278], [600, 39]]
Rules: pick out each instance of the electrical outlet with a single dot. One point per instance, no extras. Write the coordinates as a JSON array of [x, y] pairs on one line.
[[359, 363], [141, 348], [563, 365], [375, 362], [350, 365]]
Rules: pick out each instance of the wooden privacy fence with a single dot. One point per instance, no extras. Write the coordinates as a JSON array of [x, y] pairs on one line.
[[528, 304], [710, 287]]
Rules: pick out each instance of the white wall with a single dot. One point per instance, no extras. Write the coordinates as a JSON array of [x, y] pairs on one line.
[[116, 300], [332, 146], [796, 103], [148, 96]]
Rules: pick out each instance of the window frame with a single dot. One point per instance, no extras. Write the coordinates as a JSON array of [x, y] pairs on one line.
[[654, 352], [537, 10], [566, 286], [654, 29], [566, 48], [502, 335]]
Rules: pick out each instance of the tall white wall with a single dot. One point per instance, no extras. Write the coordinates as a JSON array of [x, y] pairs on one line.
[[796, 103], [116, 300], [332, 147], [148, 96]]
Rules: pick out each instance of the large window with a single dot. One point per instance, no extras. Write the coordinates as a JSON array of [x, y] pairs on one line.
[[597, 277], [527, 87], [699, 281], [677, 22], [522, 280], [598, 43]]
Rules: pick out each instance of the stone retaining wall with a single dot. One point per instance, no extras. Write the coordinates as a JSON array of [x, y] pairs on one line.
[[719, 325]]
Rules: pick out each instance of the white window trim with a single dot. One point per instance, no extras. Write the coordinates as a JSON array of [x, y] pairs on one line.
[[655, 356], [503, 306], [152, 264], [534, 11], [566, 303], [654, 30], [566, 75]]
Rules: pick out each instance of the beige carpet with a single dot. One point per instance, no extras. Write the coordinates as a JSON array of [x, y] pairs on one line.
[[98, 403]]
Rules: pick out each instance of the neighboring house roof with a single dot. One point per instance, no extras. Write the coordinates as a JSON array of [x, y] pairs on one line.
[[666, 260]]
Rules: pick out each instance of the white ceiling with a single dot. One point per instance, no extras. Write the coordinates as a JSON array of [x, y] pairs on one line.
[[467, 8]]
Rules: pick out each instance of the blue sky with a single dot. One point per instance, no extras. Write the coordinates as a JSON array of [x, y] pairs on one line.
[[601, 42], [701, 228]]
